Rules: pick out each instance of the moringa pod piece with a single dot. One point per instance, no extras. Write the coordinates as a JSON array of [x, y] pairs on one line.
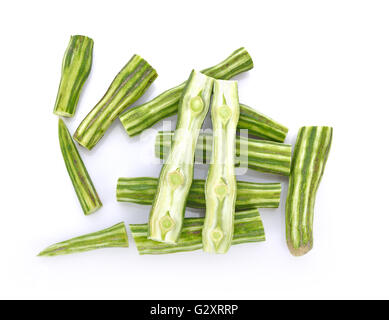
[[167, 212], [142, 190], [309, 159], [76, 66], [220, 186], [82, 183], [127, 87], [115, 236], [248, 227], [139, 118]]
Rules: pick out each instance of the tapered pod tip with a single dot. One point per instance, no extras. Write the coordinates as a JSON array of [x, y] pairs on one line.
[[115, 236], [50, 251], [43, 253], [299, 251]]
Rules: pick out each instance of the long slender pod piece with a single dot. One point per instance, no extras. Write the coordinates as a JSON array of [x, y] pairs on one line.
[[82, 183], [127, 87], [167, 212], [220, 186], [248, 227], [309, 158], [76, 66], [250, 195], [259, 155], [115, 236], [141, 117]]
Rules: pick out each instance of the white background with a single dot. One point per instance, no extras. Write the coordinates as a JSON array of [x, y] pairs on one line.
[[316, 63]]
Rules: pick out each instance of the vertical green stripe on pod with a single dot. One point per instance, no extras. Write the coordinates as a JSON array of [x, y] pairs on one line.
[[309, 159], [220, 186], [167, 212], [259, 155], [81, 180], [144, 116], [248, 227], [250, 195], [76, 66], [115, 236], [127, 87]]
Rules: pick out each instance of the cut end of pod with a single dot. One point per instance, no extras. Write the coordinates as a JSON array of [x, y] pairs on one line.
[[63, 113], [299, 251]]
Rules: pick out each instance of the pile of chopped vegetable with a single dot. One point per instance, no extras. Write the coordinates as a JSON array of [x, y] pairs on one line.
[[230, 205]]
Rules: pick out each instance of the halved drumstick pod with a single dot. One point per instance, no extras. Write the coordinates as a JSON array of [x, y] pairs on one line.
[[220, 186], [167, 212]]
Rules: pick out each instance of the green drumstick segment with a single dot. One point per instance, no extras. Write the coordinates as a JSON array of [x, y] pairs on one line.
[[248, 227], [250, 195], [115, 236], [144, 116], [167, 212], [309, 159], [127, 87], [260, 125], [259, 155], [138, 119], [220, 186], [76, 66], [81, 180]]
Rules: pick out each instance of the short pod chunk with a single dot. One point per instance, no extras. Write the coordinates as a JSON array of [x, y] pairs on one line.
[[220, 187], [76, 66], [127, 87], [309, 159], [167, 212]]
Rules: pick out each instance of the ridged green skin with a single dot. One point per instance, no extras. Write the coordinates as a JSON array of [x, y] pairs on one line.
[[76, 66], [115, 236], [260, 125], [127, 87], [82, 183], [220, 186], [248, 227], [144, 116], [167, 212], [261, 155], [249, 194], [309, 159]]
